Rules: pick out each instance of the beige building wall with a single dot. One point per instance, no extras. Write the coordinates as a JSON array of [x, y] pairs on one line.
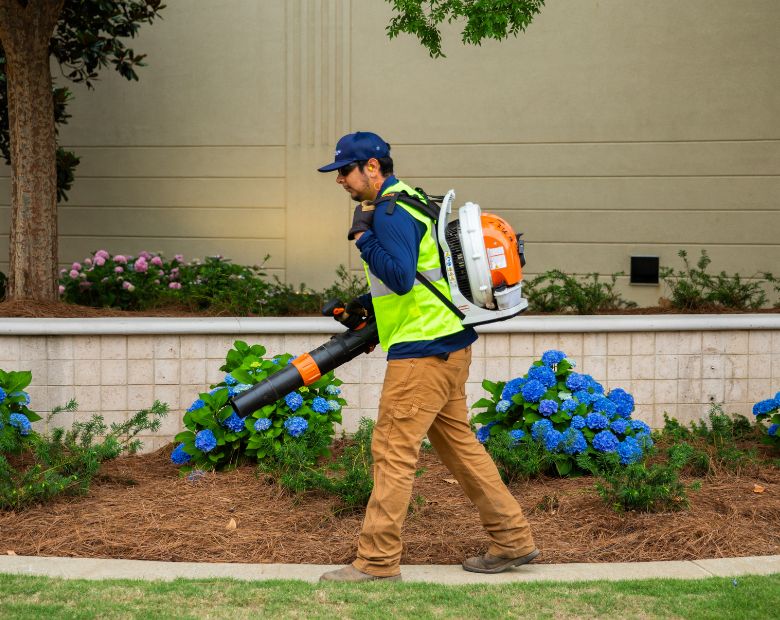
[[611, 128]]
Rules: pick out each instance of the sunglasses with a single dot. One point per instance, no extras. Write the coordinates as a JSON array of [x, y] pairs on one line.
[[345, 170]]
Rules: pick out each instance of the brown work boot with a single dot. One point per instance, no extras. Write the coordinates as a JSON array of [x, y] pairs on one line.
[[493, 564], [350, 573]]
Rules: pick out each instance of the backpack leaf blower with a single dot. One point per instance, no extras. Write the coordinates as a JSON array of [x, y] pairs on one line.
[[482, 258]]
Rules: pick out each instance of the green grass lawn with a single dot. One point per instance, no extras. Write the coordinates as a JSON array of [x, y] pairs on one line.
[[24, 597]]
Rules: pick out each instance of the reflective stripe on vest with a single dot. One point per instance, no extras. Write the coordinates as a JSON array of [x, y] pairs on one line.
[[419, 314]]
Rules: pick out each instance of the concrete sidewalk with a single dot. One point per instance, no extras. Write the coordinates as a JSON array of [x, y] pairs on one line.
[[82, 568]]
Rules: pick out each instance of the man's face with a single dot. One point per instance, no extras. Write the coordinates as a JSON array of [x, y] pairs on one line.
[[356, 182]]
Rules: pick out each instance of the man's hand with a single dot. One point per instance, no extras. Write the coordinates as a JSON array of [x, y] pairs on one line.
[[361, 220]]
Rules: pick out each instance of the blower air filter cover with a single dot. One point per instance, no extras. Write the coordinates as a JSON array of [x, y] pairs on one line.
[[475, 255]]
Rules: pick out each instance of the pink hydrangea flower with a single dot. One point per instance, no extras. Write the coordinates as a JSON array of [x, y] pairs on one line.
[[145, 255], [128, 286], [99, 261], [174, 273], [87, 261], [76, 267], [179, 257], [118, 269], [141, 265], [74, 275], [157, 261], [63, 271], [174, 285], [102, 254], [120, 259], [61, 290]]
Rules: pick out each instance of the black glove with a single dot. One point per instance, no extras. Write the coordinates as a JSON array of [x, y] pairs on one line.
[[354, 314], [361, 220]]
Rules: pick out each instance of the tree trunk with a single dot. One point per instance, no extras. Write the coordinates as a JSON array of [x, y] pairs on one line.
[[25, 30]]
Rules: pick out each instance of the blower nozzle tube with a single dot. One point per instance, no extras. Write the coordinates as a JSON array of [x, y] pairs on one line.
[[307, 368]]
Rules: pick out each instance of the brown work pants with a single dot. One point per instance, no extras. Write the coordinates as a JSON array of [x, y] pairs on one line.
[[427, 395]]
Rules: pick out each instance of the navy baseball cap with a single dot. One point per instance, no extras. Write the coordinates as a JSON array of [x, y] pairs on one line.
[[358, 146]]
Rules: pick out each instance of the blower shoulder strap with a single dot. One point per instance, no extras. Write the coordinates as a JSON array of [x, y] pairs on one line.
[[430, 208], [429, 285]]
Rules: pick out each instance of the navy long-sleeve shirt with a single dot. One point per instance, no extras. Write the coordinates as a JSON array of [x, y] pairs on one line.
[[391, 248]]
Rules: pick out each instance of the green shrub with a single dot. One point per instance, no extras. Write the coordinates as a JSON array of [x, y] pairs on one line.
[[35, 467], [348, 477], [715, 441], [520, 460], [217, 437], [639, 486], [692, 288], [555, 291], [564, 411]]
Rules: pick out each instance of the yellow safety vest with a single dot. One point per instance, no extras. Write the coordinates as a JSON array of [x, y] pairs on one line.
[[418, 314]]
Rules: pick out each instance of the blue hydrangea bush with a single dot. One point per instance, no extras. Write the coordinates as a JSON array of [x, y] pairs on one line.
[[567, 413], [16, 417], [217, 437], [769, 410]]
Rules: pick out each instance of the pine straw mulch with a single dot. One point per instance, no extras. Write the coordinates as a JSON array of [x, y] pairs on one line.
[[139, 508]]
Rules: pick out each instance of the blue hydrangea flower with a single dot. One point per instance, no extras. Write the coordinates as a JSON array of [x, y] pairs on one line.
[[640, 427], [296, 426], [623, 401], [334, 405], [540, 428], [548, 407], [772, 430], [502, 406], [294, 400], [629, 451], [332, 390], [765, 406], [483, 432], [230, 380], [21, 423], [603, 405], [569, 405], [234, 423], [512, 387], [619, 426], [552, 357], [575, 382], [542, 374], [578, 422], [276, 359], [533, 390], [596, 421], [179, 456], [262, 424], [584, 396], [574, 441], [552, 439], [198, 404], [594, 385], [605, 441], [205, 440], [2, 395], [516, 436], [26, 401], [320, 405]]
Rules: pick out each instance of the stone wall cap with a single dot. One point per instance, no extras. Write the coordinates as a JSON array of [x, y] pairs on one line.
[[323, 325]]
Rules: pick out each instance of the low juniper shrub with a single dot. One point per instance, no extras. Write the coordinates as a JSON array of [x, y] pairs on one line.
[[348, 477], [35, 467], [217, 437], [566, 412], [641, 486], [768, 410]]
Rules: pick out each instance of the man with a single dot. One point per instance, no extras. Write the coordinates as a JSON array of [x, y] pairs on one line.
[[428, 352]]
